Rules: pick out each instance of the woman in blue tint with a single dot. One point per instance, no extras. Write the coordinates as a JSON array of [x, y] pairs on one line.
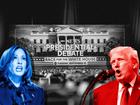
[[16, 87]]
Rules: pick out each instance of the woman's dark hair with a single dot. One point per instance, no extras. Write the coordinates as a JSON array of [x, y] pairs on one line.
[[8, 56]]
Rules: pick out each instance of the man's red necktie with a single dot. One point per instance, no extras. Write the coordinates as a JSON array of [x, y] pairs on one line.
[[125, 95]]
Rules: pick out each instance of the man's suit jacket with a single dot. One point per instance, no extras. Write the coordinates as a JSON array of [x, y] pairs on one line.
[[108, 93]]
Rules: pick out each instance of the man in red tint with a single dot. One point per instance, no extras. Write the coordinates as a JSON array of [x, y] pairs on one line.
[[125, 90]]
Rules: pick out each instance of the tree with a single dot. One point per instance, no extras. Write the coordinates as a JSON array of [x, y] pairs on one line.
[[111, 43], [25, 43]]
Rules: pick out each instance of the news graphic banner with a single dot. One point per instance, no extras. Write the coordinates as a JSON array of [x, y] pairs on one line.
[[70, 60], [68, 44], [58, 61], [69, 50]]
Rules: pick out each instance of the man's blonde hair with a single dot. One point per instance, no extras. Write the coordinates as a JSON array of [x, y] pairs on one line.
[[129, 52]]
